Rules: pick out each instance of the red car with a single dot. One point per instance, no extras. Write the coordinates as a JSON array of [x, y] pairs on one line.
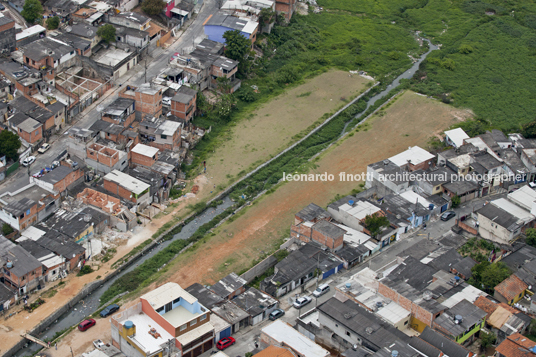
[[225, 342], [84, 325]]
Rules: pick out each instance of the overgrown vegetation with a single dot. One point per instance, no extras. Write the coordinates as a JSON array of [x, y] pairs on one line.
[[530, 234], [86, 269], [7, 229]]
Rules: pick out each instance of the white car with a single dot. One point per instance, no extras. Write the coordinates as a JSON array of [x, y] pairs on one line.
[[301, 302], [166, 101], [28, 161], [98, 344], [44, 148]]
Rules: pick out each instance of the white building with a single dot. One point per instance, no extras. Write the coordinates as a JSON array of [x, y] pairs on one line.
[[455, 137]]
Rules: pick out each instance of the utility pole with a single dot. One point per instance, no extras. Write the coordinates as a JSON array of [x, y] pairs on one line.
[[145, 69], [72, 354]]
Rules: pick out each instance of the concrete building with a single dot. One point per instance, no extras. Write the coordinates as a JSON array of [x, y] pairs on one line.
[[133, 20], [455, 137], [7, 35], [105, 159], [116, 61], [59, 179], [230, 286], [20, 270], [216, 25], [128, 188], [29, 35], [498, 225], [280, 333], [461, 322], [414, 158], [48, 52], [165, 317], [120, 112], [27, 206]]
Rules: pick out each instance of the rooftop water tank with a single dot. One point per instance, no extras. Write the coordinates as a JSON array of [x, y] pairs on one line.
[[128, 324], [348, 285], [394, 353], [9, 265], [351, 202]]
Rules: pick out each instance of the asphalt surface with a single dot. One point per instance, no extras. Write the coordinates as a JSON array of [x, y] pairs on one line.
[[157, 62]]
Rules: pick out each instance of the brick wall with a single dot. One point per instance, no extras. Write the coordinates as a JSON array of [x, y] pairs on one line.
[[184, 111], [332, 243], [118, 190], [98, 199], [149, 104], [102, 154], [416, 311], [71, 177], [28, 219], [139, 159], [33, 136], [301, 232]]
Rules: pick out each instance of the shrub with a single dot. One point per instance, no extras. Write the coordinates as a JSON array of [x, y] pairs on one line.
[[7, 229], [86, 269]]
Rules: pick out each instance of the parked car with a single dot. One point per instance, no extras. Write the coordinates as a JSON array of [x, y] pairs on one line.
[[84, 325], [277, 313], [98, 344], [175, 55], [225, 342], [448, 215], [166, 101], [321, 290], [44, 148], [108, 310], [2, 7], [28, 161], [301, 302]]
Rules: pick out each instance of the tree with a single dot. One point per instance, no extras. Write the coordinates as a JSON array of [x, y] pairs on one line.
[[32, 10], [375, 223], [266, 16], [487, 339], [494, 274], [455, 201], [9, 145], [107, 33], [53, 22], [529, 130], [7, 229], [153, 7], [531, 237], [237, 48]]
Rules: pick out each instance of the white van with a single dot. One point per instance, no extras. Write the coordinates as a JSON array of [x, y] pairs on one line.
[[321, 290]]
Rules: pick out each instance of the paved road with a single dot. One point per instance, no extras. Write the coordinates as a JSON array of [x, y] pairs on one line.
[[194, 33]]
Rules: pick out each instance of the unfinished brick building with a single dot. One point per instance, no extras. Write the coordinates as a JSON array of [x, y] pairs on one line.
[[105, 159], [101, 200]]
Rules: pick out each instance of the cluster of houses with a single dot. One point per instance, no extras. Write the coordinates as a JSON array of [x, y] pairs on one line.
[[194, 319]]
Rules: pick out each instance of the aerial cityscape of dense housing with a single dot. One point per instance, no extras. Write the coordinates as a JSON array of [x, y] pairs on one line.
[[264, 178]]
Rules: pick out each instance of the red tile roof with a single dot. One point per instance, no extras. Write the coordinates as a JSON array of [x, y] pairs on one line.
[[486, 304], [511, 287], [275, 351], [489, 306], [516, 345]]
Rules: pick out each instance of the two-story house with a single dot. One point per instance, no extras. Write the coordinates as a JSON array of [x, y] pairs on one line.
[[167, 317]]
